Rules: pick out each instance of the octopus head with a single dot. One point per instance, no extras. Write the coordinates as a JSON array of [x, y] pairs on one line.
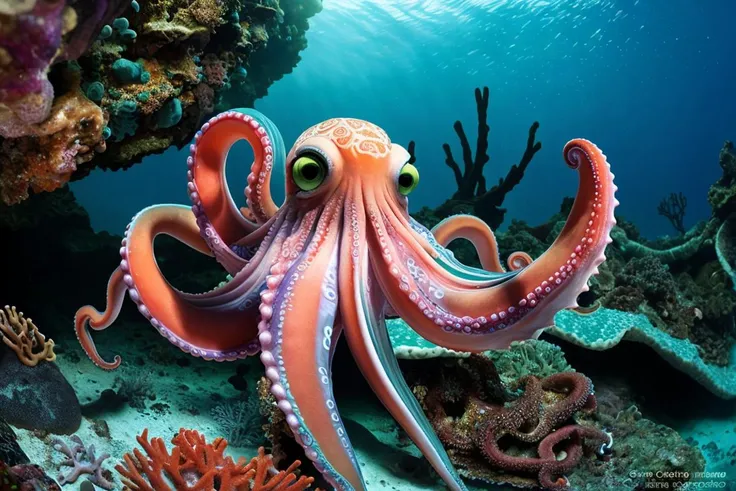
[[340, 153]]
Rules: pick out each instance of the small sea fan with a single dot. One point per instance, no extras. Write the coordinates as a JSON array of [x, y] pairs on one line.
[[240, 422]]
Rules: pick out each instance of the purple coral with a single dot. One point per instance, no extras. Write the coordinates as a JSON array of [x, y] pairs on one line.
[[82, 460], [30, 44]]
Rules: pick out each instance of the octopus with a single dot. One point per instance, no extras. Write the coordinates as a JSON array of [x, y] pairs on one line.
[[339, 255]]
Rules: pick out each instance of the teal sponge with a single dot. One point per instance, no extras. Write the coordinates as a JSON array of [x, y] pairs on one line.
[[169, 114], [127, 71]]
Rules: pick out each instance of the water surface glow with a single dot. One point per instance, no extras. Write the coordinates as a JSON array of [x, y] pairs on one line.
[[650, 82]]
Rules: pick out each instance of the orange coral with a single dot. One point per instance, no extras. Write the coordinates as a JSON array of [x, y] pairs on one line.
[[195, 465], [45, 159], [22, 336]]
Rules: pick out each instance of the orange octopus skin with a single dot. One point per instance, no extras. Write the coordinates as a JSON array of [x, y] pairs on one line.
[[335, 259]]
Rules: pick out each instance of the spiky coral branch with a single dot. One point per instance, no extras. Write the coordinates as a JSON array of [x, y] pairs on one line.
[[22, 336], [82, 460], [194, 464]]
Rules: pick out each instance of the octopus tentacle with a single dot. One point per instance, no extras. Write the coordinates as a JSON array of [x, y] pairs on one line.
[[477, 319], [480, 235], [299, 339], [87, 316], [424, 248], [211, 332], [220, 220], [475, 231], [362, 304]]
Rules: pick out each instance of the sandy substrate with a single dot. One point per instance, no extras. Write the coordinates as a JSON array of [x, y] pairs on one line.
[[186, 391]]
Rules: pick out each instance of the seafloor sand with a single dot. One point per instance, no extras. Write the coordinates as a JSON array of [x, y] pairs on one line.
[[185, 397], [187, 389]]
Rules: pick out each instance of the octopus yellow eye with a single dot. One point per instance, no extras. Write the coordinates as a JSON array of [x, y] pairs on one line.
[[308, 173], [408, 179]]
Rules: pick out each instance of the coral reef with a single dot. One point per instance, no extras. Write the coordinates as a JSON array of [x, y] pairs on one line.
[[681, 284], [23, 337], [496, 438], [83, 461], [605, 328], [38, 397], [531, 357], [195, 464], [105, 83], [33, 394], [641, 445], [472, 196]]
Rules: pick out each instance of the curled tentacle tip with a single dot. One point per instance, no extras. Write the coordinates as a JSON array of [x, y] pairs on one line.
[[606, 447]]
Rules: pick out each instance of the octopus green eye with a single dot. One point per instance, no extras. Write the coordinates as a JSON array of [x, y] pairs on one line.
[[308, 173], [408, 179]]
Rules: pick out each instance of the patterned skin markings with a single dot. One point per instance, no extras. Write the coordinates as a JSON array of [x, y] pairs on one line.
[[351, 134], [358, 225]]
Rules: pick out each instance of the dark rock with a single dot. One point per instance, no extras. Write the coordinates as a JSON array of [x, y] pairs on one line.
[[25, 477], [10, 451], [37, 398]]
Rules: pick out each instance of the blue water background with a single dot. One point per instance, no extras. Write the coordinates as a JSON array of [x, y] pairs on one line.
[[652, 82]]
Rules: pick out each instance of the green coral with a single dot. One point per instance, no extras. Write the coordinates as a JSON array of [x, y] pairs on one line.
[[530, 357], [605, 328]]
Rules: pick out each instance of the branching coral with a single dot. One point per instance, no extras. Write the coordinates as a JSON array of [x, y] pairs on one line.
[[194, 464], [22, 336], [529, 441], [83, 461], [673, 209], [471, 184]]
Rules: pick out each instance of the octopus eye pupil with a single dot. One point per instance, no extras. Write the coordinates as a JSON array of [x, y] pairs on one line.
[[408, 179], [310, 171]]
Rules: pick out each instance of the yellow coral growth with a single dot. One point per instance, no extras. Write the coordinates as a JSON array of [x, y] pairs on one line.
[[22, 336], [208, 13]]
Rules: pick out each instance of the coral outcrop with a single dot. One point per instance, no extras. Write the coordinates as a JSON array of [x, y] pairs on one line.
[[104, 83], [33, 392], [528, 440]]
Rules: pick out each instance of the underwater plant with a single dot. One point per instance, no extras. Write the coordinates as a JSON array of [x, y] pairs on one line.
[[240, 421], [673, 209], [343, 225]]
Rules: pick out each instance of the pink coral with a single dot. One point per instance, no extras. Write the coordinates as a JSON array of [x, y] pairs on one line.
[[215, 70]]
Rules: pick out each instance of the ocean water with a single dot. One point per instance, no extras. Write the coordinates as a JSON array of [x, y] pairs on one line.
[[650, 82], [645, 364]]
